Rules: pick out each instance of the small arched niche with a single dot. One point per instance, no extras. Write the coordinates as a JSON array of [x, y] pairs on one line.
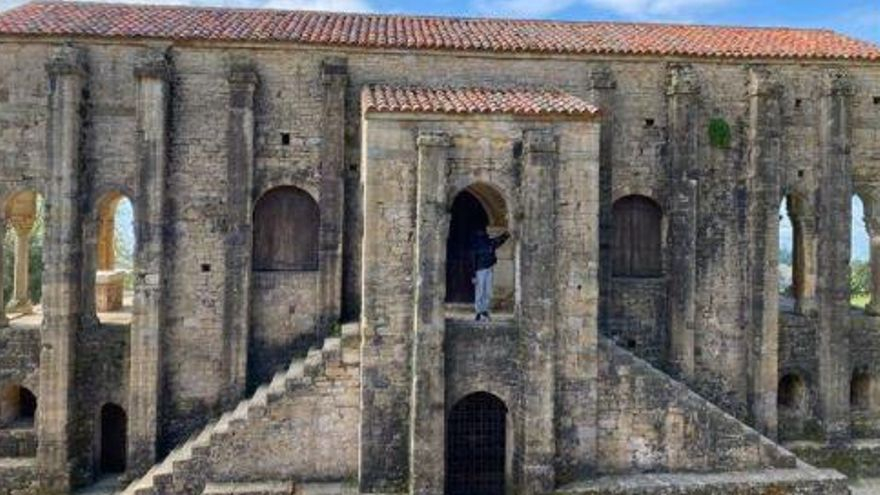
[[477, 446], [18, 407], [860, 391], [792, 392], [115, 251], [477, 207]]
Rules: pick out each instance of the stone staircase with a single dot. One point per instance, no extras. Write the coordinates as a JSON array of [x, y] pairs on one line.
[[187, 470], [18, 450]]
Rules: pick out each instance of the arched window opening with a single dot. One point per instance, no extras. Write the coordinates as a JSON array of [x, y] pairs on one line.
[[860, 391], [115, 253], [286, 230], [23, 254], [476, 446], [860, 252], [113, 438], [797, 250], [792, 393], [786, 251], [636, 249], [478, 208], [18, 407]]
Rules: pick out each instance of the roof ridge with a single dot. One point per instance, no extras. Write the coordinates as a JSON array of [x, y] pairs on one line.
[[491, 19]]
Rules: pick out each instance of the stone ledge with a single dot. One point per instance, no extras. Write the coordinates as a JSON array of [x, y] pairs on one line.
[[801, 480]]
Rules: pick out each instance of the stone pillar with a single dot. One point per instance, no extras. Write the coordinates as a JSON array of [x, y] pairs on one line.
[[428, 428], [872, 223], [804, 270], [151, 75], [683, 116], [577, 294], [62, 276], [334, 78], [240, 131], [537, 318], [603, 88], [764, 159], [834, 207], [21, 299]]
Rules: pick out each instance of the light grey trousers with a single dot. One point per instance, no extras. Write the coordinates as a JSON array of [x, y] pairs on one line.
[[483, 290]]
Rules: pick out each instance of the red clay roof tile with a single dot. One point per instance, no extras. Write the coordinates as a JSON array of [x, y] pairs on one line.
[[516, 101], [432, 33]]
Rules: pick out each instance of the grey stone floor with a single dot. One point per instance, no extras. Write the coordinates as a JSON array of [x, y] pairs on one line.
[[866, 486]]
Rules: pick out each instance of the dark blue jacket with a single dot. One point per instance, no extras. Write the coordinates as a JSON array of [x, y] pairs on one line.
[[484, 249]]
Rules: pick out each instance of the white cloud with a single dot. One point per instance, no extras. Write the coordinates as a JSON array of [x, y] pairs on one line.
[[637, 9], [335, 5]]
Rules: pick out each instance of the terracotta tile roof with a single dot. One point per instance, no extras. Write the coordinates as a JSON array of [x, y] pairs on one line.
[[516, 101], [437, 33]]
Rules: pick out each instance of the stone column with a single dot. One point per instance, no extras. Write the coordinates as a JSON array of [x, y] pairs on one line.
[[683, 115], [834, 207], [151, 74], [537, 318], [577, 288], [428, 428], [62, 276], [764, 158], [21, 299], [872, 223], [240, 132], [603, 88], [804, 270], [334, 78]]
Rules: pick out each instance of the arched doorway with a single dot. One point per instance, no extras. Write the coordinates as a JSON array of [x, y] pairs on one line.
[[114, 256], [477, 207], [476, 446], [114, 426], [468, 218]]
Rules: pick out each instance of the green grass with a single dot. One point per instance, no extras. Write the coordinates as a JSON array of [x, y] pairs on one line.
[[860, 300]]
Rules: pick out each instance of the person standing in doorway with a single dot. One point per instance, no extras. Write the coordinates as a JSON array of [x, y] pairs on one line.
[[485, 259]]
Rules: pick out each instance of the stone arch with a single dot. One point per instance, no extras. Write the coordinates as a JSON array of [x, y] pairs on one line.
[[473, 208], [112, 439], [115, 248], [863, 228], [797, 251], [478, 449], [792, 393], [18, 406], [287, 223], [860, 390], [637, 240]]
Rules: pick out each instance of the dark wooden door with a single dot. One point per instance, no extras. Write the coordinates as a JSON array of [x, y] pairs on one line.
[[468, 217], [476, 445]]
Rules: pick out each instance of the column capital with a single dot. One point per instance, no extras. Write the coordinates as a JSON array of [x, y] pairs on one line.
[[681, 79], [334, 69], [153, 64], [429, 139], [762, 81], [601, 78], [837, 82], [22, 224], [539, 141], [67, 60], [243, 71]]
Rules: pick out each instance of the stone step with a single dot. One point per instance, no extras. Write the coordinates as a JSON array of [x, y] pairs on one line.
[[803, 479], [250, 488], [18, 475]]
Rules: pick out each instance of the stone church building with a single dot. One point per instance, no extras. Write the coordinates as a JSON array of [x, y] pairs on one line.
[[304, 188]]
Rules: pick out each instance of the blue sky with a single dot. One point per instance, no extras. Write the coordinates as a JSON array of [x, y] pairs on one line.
[[859, 18]]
